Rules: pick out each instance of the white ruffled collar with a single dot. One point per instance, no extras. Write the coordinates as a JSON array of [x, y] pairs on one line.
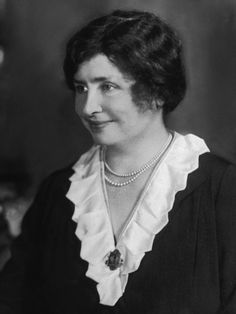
[[94, 228]]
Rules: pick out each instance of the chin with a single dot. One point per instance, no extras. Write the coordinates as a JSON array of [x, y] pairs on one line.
[[103, 140]]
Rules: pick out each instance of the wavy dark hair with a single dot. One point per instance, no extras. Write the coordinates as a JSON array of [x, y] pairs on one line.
[[142, 46]]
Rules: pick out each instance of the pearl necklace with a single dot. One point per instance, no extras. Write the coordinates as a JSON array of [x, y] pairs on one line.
[[135, 174]]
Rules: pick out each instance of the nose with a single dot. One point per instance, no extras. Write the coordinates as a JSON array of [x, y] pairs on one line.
[[88, 103]]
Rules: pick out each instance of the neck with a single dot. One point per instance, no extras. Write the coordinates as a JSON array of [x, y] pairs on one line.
[[127, 157]]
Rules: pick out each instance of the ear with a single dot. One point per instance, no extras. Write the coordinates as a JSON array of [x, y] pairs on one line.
[[160, 103], [157, 104]]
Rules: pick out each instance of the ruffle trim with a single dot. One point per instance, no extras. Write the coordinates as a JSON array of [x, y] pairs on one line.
[[151, 215]]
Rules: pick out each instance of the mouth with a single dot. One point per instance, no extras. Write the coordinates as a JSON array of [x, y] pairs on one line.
[[95, 125]]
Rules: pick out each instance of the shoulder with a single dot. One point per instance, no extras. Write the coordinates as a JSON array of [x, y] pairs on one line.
[[213, 162], [59, 177], [49, 201], [215, 167], [221, 174], [214, 174], [53, 188], [54, 182]]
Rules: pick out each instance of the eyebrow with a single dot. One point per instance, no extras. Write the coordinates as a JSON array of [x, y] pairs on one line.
[[94, 80]]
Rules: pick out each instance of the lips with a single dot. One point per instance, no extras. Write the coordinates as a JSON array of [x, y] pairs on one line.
[[97, 125]]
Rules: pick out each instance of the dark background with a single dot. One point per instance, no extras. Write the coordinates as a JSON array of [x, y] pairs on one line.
[[39, 131]]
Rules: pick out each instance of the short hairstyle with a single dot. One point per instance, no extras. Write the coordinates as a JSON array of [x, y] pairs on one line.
[[141, 46]]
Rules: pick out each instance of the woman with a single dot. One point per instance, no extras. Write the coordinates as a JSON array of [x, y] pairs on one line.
[[145, 222]]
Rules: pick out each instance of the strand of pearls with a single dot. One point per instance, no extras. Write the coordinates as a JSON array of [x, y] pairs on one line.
[[137, 173]]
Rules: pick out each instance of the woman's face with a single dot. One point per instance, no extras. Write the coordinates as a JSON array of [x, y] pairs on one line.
[[104, 103]]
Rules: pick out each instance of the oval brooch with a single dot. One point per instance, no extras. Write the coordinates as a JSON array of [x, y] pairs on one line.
[[114, 260]]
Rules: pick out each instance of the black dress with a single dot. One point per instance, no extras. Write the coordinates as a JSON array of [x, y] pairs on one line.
[[191, 268]]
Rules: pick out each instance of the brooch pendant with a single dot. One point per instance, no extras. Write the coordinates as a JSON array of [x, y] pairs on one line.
[[114, 260]]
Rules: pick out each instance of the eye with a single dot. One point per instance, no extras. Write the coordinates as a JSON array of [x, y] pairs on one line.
[[108, 87], [81, 89]]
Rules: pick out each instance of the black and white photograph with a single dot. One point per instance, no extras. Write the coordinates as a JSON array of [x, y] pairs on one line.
[[118, 157]]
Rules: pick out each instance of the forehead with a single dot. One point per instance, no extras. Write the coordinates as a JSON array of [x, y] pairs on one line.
[[99, 66]]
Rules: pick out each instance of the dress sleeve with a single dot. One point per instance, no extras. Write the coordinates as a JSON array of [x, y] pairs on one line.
[[226, 234], [24, 253]]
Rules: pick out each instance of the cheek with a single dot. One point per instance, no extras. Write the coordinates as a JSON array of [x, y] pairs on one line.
[[78, 105], [78, 111], [117, 115], [118, 109]]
